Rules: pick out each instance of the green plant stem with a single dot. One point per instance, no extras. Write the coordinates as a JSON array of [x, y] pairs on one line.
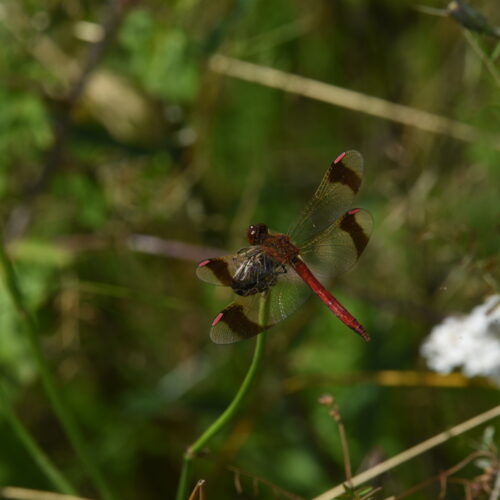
[[53, 393], [234, 406], [182, 488], [38, 455]]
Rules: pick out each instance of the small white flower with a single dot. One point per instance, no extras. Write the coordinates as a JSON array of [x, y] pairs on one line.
[[471, 342]]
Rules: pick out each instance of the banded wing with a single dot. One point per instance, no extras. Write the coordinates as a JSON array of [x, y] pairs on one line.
[[333, 197], [219, 270], [336, 249], [240, 319]]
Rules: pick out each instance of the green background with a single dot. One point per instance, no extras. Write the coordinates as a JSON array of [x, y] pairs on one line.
[[158, 144]]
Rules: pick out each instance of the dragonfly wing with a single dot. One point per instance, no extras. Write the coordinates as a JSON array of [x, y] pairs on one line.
[[333, 197], [240, 319], [289, 293], [336, 249], [220, 270]]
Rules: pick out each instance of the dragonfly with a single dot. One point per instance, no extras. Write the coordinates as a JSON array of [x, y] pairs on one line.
[[326, 240]]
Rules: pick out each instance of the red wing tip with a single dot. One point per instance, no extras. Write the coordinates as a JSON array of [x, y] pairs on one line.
[[217, 319], [339, 157], [354, 211], [203, 263]]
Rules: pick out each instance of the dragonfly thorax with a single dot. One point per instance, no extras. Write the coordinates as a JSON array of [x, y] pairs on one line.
[[280, 248]]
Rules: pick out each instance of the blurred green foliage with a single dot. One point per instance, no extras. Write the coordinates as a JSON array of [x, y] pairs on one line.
[[158, 144]]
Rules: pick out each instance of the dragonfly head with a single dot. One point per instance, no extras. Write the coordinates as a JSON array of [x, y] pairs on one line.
[[257, 233]]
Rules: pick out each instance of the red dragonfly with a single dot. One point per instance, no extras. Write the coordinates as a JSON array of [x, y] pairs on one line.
[[328, 235]]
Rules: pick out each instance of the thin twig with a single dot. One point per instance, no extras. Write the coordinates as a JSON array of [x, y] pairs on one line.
[[260, 480], [170, 248], [198, 489], [329, 401], [490, 66], [112, 18], [345, 449], [495, 493], [446, 474], [142, 243], [350, 99], [111, 21], [431, 10], [387, 378], [413, 452], [15, 493], [468, 491]]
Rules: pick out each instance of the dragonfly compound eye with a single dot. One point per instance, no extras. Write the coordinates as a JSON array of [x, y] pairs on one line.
[[257, 233]]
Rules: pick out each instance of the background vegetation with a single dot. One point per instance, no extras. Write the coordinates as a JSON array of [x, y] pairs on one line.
[[127, 154]]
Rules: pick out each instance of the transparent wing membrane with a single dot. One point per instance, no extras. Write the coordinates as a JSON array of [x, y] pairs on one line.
[[288, 295], [240, 319], [220, 270], [333, 197], [335, 250]]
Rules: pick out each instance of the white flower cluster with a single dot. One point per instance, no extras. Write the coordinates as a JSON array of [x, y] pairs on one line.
[[471, 342]]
